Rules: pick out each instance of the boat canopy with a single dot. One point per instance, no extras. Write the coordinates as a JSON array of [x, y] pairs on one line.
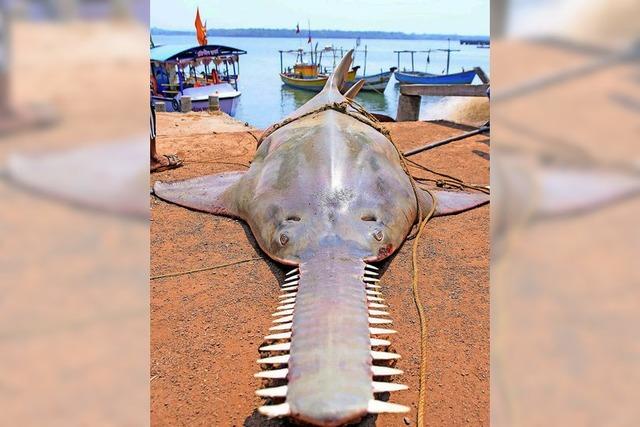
[[181, 52]]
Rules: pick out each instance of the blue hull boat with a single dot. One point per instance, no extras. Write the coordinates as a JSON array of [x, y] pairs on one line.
[[415, 77]]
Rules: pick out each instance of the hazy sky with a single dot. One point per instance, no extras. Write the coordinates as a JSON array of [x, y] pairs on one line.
[[410, 16]]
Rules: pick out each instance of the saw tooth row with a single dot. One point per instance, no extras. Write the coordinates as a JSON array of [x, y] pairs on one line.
[[281, 344]]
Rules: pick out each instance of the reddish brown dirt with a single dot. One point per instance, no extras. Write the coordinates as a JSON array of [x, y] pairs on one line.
[[206, 327]]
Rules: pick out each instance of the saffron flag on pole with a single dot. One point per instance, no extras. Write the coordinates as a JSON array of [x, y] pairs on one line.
[[201, 30]]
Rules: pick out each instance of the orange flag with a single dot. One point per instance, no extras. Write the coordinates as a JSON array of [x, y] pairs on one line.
[[201, 30]]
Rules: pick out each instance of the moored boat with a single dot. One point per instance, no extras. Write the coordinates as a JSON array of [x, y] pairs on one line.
[[416, 77], [419, 77], [310, 75], [198, 72], [375, 82]]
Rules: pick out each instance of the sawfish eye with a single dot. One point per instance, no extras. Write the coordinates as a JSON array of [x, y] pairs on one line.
[[284, 239], [378, 235]]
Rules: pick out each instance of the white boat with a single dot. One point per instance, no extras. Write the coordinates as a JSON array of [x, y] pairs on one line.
[[375, 82], [197, 72]]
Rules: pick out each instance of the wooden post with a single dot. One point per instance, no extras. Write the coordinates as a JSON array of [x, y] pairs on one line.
[[161, 107], [214, 103], [481, 75], [408, 108], [185, 104], [445, 90]]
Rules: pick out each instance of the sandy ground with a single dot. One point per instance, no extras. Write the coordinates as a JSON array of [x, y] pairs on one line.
[[206, 327]]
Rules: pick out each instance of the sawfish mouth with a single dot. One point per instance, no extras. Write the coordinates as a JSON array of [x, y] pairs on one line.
[[325, 352]]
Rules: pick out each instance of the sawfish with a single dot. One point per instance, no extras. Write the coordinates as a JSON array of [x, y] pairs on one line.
[[327, 194]]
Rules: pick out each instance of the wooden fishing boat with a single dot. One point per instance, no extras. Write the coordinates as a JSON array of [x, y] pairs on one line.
[[309, 74], [312, 82], [197, 72], [416, 77], [375, 82]]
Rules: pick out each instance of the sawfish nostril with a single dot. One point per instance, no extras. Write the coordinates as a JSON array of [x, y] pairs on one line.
[[284, 239], [293, 218], [369, 218]]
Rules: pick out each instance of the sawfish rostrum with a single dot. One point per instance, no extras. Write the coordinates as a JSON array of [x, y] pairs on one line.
[[326, 193]]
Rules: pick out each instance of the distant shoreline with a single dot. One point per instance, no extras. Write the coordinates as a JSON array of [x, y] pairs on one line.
[[317, 34]]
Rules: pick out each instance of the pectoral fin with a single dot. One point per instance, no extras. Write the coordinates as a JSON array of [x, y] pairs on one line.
[[209, 193], [564, 191], [451, 202]]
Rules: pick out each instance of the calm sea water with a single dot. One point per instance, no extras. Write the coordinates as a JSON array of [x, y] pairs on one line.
[[265, 100]]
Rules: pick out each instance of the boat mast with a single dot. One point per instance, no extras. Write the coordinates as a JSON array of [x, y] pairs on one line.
[[449, 50], [448, 55], [364, 72]]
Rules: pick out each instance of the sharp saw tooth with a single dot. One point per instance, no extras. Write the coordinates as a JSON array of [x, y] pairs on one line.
[[371, 267], [377, 341], [274, 360], [288, 284], [381, 331], [285, 346], [286, 306], [380, 387], [285, 319], [383, 371], [375, 299], [288, 295], [369, 292], [377, 321], [288, 301], [383, 355], [273, 391], [272, 411], [379, 407], [295, 270], [370, 273], [371, 279], [369, 286], [376, 305], [274, 374], [283, 327], [289, 289], [288, 312], [378, 313], [291, 278], [280, 336]]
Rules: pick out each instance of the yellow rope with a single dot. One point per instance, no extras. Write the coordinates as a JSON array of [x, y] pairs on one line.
[[423, 318], [197, 270]]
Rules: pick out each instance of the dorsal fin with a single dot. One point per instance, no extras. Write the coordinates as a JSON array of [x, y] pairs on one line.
[[339, 75], [354, 90]]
